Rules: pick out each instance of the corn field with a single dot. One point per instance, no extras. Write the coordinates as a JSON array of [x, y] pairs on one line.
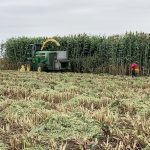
[[73, 111], [112, 54]]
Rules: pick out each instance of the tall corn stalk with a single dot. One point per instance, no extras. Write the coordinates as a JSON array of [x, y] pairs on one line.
[[112, 54]]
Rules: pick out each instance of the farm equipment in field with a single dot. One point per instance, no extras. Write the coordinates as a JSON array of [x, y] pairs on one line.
[[45, 60]]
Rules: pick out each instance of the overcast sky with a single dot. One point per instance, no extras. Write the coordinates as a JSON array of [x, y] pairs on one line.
[[64, 17]]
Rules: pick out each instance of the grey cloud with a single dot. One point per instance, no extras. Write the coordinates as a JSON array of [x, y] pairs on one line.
[[61, 17]]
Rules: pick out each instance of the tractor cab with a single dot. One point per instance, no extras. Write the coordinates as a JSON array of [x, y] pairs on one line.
[[34, 48]]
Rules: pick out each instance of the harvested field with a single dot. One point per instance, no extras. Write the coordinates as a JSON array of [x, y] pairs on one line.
[[73, 111]]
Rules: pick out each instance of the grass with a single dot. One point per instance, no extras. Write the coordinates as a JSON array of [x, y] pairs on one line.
[[42, 111]]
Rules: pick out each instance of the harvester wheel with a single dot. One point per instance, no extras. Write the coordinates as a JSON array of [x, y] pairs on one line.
[[40, 68], [28, 67], [21, 67]]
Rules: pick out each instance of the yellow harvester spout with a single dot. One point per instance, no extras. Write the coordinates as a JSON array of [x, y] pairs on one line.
[[50, 40]]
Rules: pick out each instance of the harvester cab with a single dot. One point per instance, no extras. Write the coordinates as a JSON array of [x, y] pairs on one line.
[[42, 59], [34, 48]]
